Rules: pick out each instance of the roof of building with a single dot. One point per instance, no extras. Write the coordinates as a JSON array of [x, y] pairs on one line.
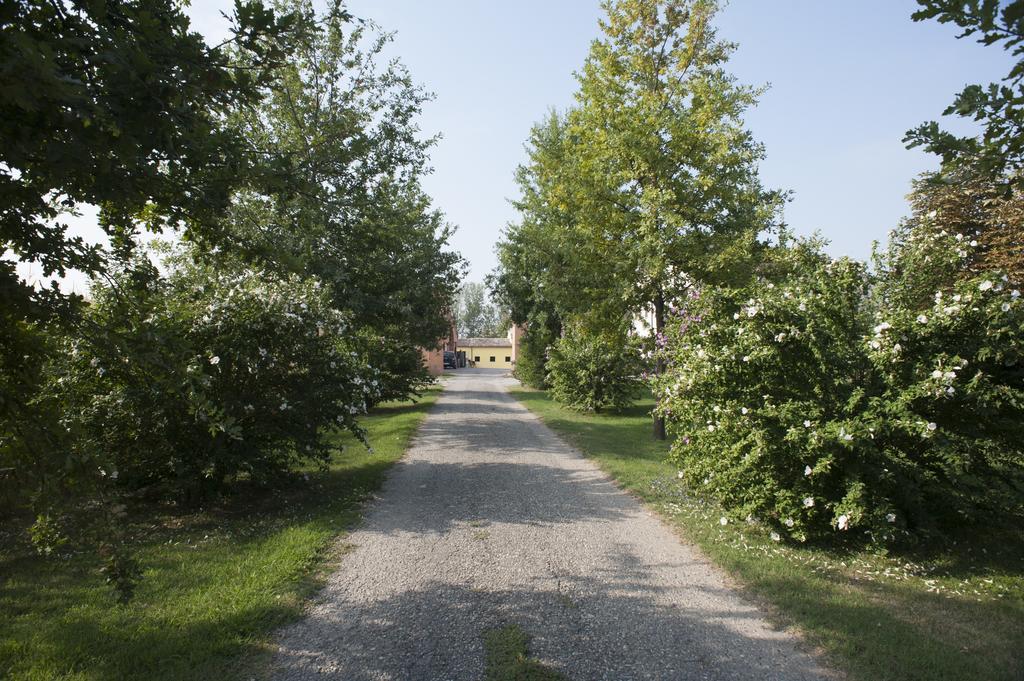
[[485, 342]]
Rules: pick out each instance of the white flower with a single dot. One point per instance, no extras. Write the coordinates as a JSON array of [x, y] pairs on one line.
[[937, 373], [743, 410], [775, 536], [711, 429], [735, 315], [921, 319], [950, 390], [723, 520], [94, 362], [1015, 294], [897, 347], [808, 502], [882, 327], [807, 424], [751, 311], [956, 298], [932, 426], [717, 409], [974, 242], [949, 375], [679, 475], [802, 307], [843, 522], [890, 517], [215, 360], [263, 352], [249, 407], [807, 473], [1005, 307], [985, 285], [284, 405], [847, 437], [746, 358], [875, 345], [788, 522]]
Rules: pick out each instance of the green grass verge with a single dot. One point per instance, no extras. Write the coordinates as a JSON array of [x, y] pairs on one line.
[[508, 658], [953, 612], [216, 583]]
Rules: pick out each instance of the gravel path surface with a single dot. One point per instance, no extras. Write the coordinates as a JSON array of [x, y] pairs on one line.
[[492, 520]]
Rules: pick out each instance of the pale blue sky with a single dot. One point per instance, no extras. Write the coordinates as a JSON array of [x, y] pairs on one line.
[[847, 80]]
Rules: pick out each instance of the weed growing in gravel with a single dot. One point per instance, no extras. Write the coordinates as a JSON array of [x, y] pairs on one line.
[[508, 658]]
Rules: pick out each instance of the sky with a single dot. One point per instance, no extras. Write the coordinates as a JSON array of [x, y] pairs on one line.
[[847, 80]]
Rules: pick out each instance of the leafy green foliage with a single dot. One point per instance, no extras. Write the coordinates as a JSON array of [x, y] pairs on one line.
[[999, 107], [531, 365], [942, 610], [817, 404], [646, 185], [75, 130], [594, 372], [219, 581], [207, 375], [340, 196]]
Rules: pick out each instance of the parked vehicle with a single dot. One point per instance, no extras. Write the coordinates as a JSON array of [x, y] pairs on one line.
[[449, 360]]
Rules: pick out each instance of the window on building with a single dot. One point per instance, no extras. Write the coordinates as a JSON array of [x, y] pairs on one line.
[[476, 359], [507, 358], [492, 358]]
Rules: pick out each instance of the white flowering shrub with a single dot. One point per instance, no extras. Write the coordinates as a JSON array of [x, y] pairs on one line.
[[594, 372], [817, 408], [207, 375], [399, 369]]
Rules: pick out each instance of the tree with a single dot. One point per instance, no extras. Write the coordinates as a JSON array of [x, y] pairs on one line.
[[475, 316], [998, 107], [119, 105], [651, 178], [340, 197]]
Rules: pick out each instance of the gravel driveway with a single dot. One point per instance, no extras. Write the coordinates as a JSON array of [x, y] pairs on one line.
[[492, 520]]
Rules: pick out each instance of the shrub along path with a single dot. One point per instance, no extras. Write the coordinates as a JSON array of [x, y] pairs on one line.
[[492, 521]]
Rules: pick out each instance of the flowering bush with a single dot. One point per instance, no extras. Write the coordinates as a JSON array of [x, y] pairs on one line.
[[400, 371], [591, 372], [206, 375], [816, 407]]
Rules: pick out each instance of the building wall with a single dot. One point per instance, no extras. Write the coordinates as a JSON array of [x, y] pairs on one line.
[[434, 361], [502, 356]]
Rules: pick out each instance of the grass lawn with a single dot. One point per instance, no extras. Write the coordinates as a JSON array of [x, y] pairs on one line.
[[952, 612], [216, 583]]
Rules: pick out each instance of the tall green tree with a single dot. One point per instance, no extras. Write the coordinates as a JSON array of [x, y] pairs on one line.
[[117, 104], [340, 197], [652, 170], [998, 107]]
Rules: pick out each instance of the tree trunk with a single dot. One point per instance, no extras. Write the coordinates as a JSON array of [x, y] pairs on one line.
[[659, 364]]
